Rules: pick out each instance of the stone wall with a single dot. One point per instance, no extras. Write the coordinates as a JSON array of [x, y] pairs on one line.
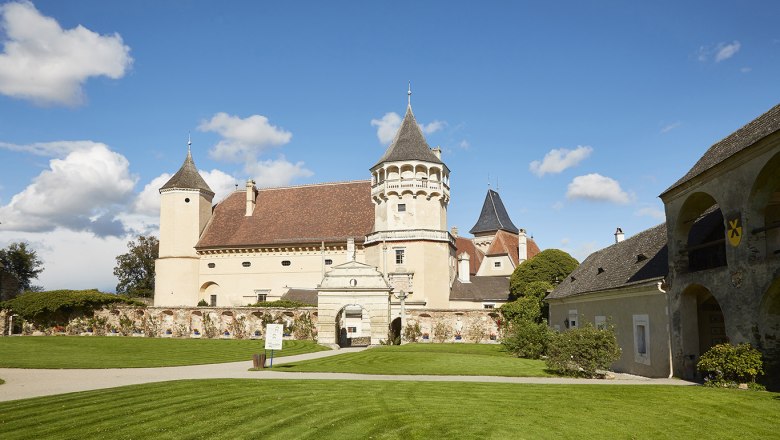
[[249, 322]]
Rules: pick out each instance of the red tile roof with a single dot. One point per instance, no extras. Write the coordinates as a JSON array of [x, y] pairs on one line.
[[300, 214], [507, 243], [462, 245]]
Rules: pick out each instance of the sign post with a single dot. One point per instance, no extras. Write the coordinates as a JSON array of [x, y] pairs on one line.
[[273, 339]]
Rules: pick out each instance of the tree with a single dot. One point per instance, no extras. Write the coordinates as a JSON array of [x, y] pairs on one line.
[[23, 263], [135, 269], [549, 266]]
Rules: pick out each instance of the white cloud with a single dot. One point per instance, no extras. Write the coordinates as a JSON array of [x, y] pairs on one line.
[[387, 126], [598, 188], [82, 192], [557, 206], [669, 127], [721, 51], [147, 202], [72, 260], [726, 51], [432, 127], [221, 183], [47, 64], [279, 172], [560, 159], [652, 212], [243, 139], [49, 149], [464, 144]]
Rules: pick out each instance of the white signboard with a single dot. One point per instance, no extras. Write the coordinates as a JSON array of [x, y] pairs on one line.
[[273, 336]]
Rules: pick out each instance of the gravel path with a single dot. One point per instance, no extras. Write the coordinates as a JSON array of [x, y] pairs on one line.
[[24, 383]]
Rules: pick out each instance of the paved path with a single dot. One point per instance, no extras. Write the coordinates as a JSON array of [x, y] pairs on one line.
[[24, 383]]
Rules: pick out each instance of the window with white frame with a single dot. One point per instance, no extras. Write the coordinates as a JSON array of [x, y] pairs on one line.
[[400, 255], [642, 339], [496, 265], [262, 294], [488, 306], [573, 319], [600, 322]]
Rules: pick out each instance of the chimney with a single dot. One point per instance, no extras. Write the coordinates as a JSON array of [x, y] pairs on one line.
[[250, 197], [454, 231], [619, 236], [464, 276], [522, 246], [350, 249], [437, 151]]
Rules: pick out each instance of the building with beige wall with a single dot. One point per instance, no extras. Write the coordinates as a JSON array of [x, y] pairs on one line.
[[263, 244]]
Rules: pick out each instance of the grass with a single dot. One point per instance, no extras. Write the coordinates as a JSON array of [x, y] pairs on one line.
[[438, 359], [232, 408], [128, 352]]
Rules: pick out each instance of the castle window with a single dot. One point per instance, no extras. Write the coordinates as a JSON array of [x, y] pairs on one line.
[[328, 262], [402, 207], [641, 339], [399, 256], [488, 306], [262, 297], [187, 200], [212, 265], [213, 302], [246, 264], [497, 264], [286, 263]]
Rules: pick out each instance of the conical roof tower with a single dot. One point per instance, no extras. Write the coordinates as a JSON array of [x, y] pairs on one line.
[[493, 216]]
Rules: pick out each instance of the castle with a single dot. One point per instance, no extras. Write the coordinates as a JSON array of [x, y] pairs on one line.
[[280, 243]]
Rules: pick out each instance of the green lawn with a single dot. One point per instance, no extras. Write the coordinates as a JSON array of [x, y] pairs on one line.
[[129, 352], [353, 409], [440, 359]]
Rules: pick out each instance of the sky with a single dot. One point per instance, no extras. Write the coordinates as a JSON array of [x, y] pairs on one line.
[[579, 113]]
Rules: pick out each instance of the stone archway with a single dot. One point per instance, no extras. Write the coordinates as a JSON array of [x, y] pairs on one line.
[[701, 229], [395, 330], [353, 326], [768, 330], [703, 326], [764, 213]]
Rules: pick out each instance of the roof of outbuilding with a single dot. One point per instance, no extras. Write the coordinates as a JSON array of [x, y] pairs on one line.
[[493, 216], [638, 259], [409, 143], [331, 212], [481, 289], [187, 177], [306, 296], [732, 144]]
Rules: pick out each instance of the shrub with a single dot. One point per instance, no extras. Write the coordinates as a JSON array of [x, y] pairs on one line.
[[476, 331], [582, 351], [550, 265], [412, 332], [441, 331], [203, 303], [303, 327], [526, 308], [526, 338], [730, 365], [58, 307]]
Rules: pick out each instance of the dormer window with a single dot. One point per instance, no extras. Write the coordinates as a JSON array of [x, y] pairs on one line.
[[601, 270], [641, 257]]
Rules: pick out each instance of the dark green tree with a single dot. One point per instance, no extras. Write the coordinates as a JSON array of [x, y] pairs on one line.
[[135, 269], [550, 266], [23, 263]]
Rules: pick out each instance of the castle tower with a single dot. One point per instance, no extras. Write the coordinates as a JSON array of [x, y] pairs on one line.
[[492, 218], [410, 243], [185, 208]]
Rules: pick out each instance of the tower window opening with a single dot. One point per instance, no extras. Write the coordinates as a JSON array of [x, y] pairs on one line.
[[399, 256], [402, 207], [286, 263]]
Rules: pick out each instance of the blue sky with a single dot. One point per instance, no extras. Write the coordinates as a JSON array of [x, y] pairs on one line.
[[580, 112]]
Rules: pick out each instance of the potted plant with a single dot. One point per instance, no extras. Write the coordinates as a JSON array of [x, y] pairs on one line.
[[426, 336], [458, 336]]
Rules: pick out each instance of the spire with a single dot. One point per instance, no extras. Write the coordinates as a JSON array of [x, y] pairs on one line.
[[188, 176], [409, 142], [409, 95], [493, 216]]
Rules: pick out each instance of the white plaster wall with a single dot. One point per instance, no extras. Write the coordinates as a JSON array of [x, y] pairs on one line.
[[488, 268], [175, 282]]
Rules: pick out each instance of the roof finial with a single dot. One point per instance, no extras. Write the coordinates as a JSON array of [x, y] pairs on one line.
[[409, 95], [488, 180], [189, 143]]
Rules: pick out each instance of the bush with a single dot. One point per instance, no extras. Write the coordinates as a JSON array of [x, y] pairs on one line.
[[412, 331], [526, 308], [203, 303], [441, 331], [730, 365], [526, 338], [550, 266], [58, 307], [582, 351]]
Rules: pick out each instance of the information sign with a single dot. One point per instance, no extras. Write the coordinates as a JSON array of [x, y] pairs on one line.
[[273, 336]]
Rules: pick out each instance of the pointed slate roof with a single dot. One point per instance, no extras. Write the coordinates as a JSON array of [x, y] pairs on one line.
[[187, 177], [493, 216], [409, 143], [741, 139]]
